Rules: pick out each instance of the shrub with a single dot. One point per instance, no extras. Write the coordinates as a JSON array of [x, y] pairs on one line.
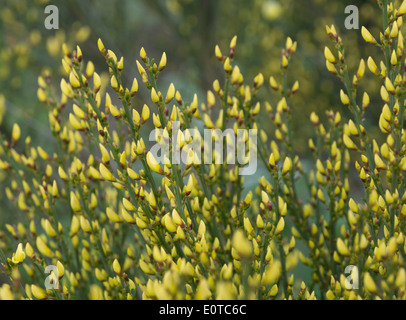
[[114, 219]]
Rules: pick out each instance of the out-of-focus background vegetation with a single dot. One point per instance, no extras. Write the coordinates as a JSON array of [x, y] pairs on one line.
[[187, 30]]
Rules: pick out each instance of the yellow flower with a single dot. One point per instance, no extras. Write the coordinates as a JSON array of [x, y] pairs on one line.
[[29, 250], [19, 255], [100, 45], [154, 96], [74, 202], [367, 36], [287, 165], [218, 53], [116, 266], [344, 98], [203, 290], [369, 283], [43, 248], [105, 173], [143, 54], [95, 293], [6, 293], [329, 56], [38, 292], [16, 132], [153, 164], [60, 269], [372, 66], [162, 62], [134, 87], [241, 244], [402, 8], [170, 94], [349, 143], [85, 225], [112, 215], [272, 273], [342, 247], [280, 226]]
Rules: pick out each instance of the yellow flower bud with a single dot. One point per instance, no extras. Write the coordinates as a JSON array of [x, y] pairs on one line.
[[43, 248], [61, 269], [38, 292], [247, 225], [349, 143], [274, 291], [342, 247], [75, 225], [389, 86], [112, 215], [287, 165], [74, 202], [16, 132], [145, 113], [114, 82], [241, 244], [203, 290], [170, 94], [89, 69], [19, 255], [401, 278], [273, 83], [280, 226], [285, 62], [105, 154], [372, 66], [361, 69], [233, 42], [143, 54], [330, 67], [75, 122], [379, 163], [369, 283], [217, 52], [41, 94], [162, 62], [74, 81], [100, 45], [394, 31], [344, 98], [227, 65], [85, 225], [112, 55], [169, 224], [402, 8], [49, 229], [330, 295], [29, 250], [105, 173], [393, 58], [154, 96], [272, 273], [353, 206]]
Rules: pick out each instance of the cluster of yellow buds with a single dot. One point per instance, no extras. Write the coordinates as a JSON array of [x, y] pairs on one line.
[[113, 218]]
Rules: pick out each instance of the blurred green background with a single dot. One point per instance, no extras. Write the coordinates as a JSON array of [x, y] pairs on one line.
[[187, 30]]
